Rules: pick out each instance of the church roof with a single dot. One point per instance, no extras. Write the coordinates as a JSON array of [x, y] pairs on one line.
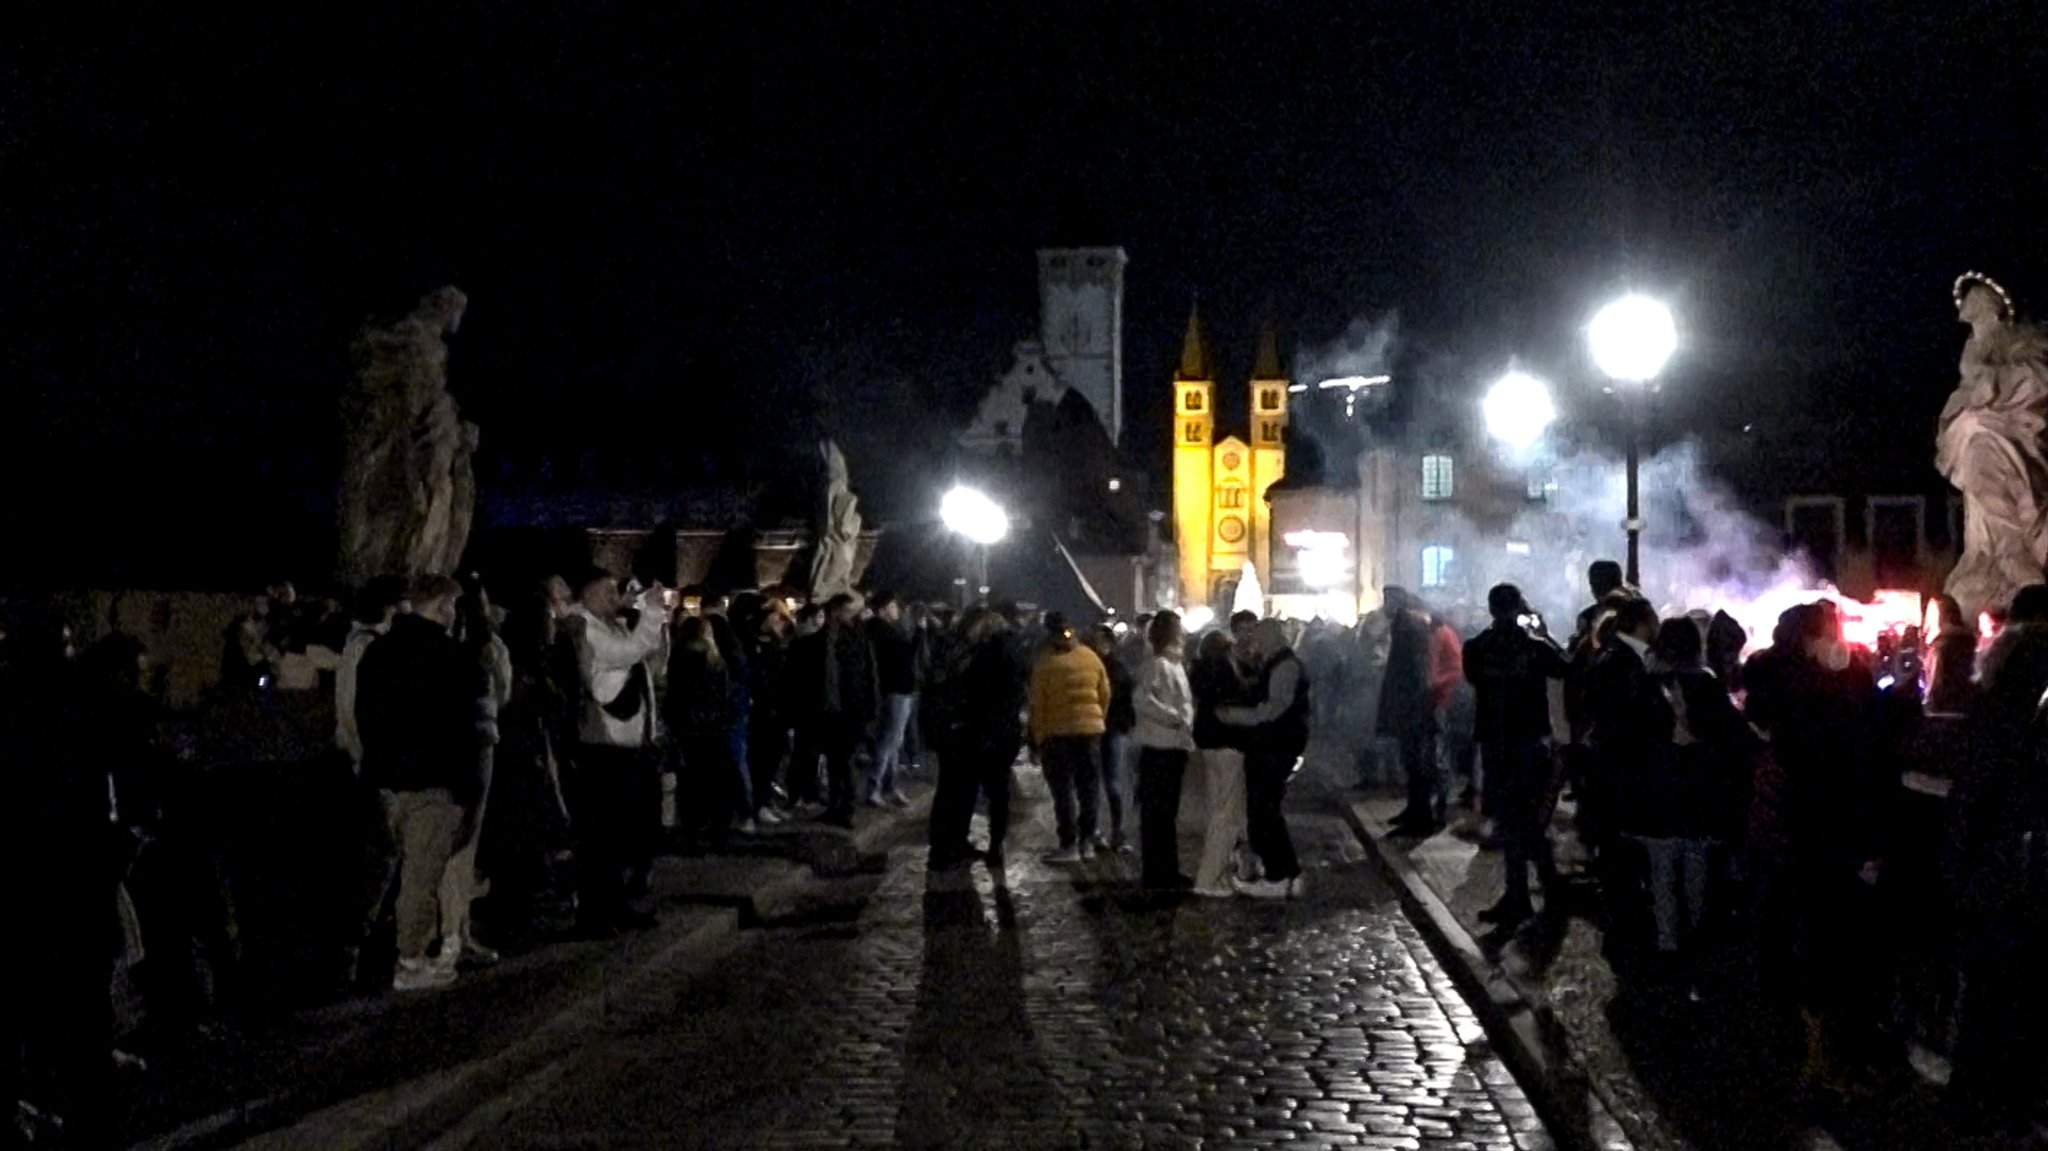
[[1194, 353], [1267, 366]]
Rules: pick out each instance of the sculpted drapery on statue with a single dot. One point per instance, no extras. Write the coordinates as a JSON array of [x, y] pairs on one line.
[[837, 527], [1993, 446], [407, 492]]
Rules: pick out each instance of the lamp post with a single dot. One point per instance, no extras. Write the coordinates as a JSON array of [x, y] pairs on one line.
[[1631, 339], [974, 517]]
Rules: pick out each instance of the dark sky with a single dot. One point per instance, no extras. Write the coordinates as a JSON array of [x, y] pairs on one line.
[[720, 218]]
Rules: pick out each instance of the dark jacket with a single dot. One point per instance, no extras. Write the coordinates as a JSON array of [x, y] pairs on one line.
[[1283, 735], [416, 706], [700, 697], [1123, 709], [1628, 724], [1406, 704], [825, 660], [977, 699], [1696, 782], [1510, 673], [895, 657], [1215, 683]]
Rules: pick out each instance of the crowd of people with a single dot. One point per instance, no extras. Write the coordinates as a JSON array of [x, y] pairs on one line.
[[532, 759]]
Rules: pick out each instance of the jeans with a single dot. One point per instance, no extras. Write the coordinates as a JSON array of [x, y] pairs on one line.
[[1160, 771], [889, 733], [1678, 884], [1265, 791], [1116, 749], [1223, 790], [1072, 765], [767, 740], [423, 823]]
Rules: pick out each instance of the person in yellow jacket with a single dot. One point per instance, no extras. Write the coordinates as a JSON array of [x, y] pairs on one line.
[[1069, 711]]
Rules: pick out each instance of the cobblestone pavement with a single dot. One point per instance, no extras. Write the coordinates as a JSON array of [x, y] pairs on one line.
[[1050, 1008]]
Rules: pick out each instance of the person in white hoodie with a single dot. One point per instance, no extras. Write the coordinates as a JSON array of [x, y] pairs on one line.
[[1165, 735], [615, 789]]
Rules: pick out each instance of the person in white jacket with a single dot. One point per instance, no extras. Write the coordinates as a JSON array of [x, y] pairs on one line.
[[1165, 734], [615, 788]]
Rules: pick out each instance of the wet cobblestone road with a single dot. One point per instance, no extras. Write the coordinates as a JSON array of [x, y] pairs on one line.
[[1051, 1008]]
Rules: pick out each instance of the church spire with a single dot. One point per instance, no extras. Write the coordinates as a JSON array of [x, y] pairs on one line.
[[1194, 353], [1267, 366]]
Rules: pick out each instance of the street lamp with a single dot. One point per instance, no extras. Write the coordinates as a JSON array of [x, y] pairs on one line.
[[1518, 409], [1631, 340], [979, 520]]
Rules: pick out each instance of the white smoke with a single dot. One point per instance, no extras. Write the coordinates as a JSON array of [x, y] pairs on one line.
[[1366, 348]]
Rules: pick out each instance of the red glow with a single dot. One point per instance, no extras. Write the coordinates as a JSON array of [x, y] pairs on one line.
[[1985, 628], [1889, 612]]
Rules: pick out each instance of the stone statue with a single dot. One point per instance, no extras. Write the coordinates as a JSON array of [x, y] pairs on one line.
[[408, 492], [1993, 446], [837, 528]]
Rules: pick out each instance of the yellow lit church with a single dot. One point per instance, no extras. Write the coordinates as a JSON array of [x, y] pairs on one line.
[[1221, 518]]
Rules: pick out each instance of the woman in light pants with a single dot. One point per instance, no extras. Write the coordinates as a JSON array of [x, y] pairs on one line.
[[1216, 682]]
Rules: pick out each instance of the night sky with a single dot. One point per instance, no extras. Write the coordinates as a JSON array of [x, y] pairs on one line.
[[720, 222]]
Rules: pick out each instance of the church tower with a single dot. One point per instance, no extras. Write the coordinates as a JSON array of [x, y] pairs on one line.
[[1269, 448], [1194, 419]]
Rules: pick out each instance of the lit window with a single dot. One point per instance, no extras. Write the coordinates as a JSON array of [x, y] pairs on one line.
[[1436, 477], [1194, 402], [1436, 565]]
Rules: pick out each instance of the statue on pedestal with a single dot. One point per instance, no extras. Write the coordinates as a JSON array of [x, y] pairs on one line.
[[837, 529], [407, 489], [1993, 446]]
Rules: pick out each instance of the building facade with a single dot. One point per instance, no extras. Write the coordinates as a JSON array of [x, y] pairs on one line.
[[1222, 522]]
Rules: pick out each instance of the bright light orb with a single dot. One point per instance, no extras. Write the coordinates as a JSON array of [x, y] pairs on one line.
[[1197, 617], [1518, 409], [974, 516], [1632, 338]]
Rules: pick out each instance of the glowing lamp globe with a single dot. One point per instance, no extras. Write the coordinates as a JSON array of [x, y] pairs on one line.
[[973, 516], [1632, 338], [1517, 409]]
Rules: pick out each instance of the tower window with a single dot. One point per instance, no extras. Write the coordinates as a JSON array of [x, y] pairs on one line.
[[1193, 402], [1436, 478], [1269, 399], [1191, 433], [1230, 497], [1270, 433], [1436, 565]]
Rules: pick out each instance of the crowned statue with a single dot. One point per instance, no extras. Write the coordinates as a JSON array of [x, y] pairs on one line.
[[1993, 446]]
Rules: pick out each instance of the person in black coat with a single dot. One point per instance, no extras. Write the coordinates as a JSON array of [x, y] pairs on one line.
[[1511, 671], [1408, 715], [1999, 837], [1626, 727], [57, 840], [977, 701], [831, 688]]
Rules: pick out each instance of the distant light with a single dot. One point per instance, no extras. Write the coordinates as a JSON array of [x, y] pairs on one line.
[[1115, 484], [1322, 559], [1518, 409], [1198, 617], [1518, 547], [1632, 338], [1297, 388], [1354, 383], [974, 516]]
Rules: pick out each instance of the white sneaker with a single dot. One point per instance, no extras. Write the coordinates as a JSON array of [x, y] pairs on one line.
[[1087, 849], [747, 827], [768, 817], [1260, 888], [421, 975], [1298, 886], [1215, 892], [1064, 855]]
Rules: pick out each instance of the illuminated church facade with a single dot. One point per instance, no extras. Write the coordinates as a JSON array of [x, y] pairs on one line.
[[1222, 521]]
